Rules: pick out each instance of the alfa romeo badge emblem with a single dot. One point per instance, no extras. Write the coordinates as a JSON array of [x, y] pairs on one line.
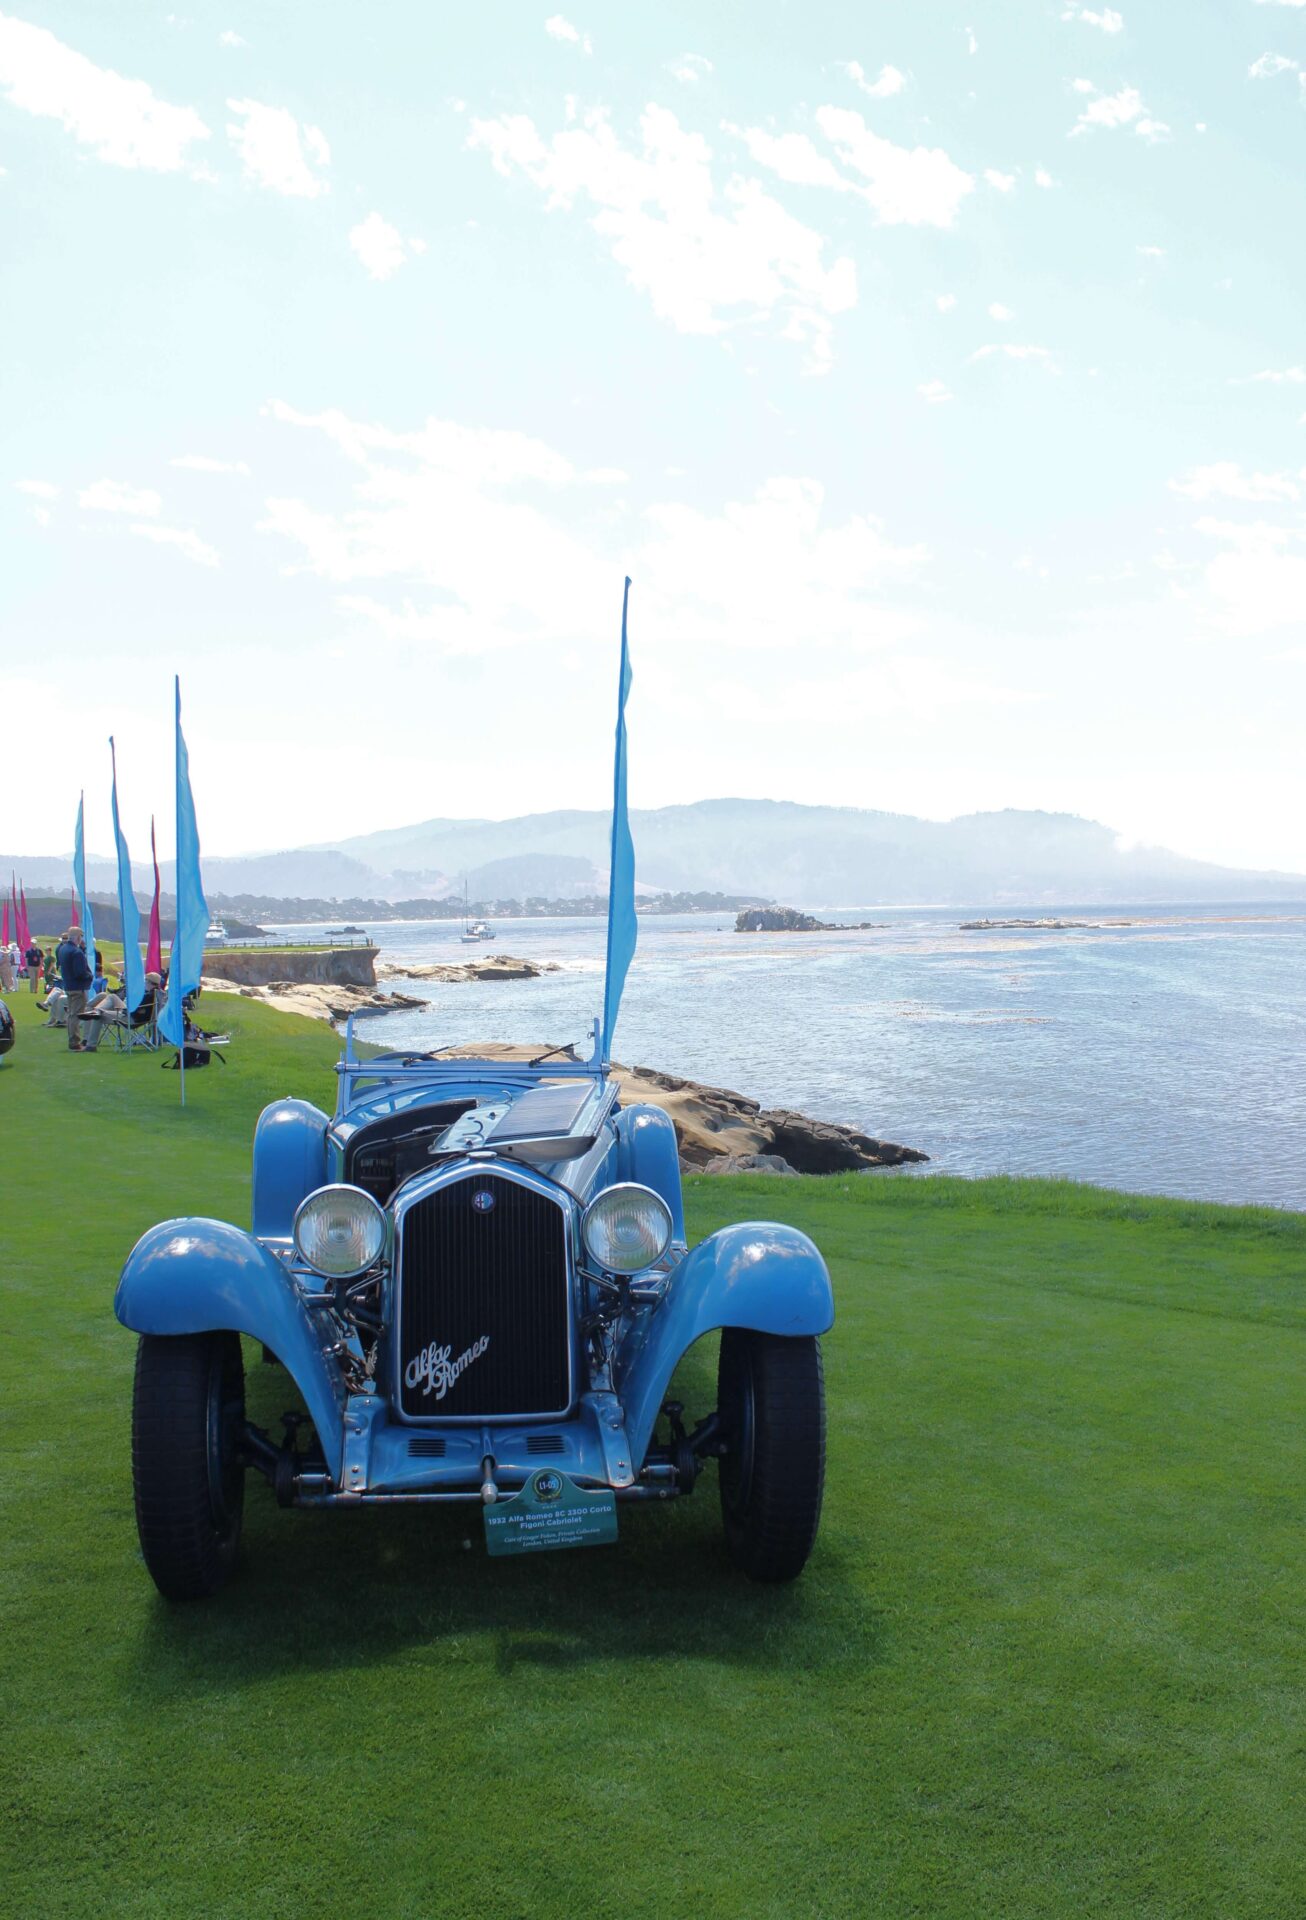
[[483, 1200]]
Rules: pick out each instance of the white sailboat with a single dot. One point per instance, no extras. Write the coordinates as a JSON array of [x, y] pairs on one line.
[[474, 931]]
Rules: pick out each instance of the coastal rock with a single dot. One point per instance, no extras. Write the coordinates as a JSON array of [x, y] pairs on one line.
[[747, 1163], [779, 920], [498, 966], [790, 920], [315, 999], [821, 1146], [714, 1123], [715, 1126], [1040, 926]]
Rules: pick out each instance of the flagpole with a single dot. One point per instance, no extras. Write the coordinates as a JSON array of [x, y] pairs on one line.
[[176, 882]]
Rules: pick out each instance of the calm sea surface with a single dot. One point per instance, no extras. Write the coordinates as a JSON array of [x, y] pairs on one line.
[[1166, 1056]]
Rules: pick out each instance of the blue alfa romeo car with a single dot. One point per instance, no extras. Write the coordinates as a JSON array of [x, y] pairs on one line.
[[476, 1272]]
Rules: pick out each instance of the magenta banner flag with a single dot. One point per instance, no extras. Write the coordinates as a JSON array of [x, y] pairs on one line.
[[154, 945], [72, 902], [4, 927], [25, 937]]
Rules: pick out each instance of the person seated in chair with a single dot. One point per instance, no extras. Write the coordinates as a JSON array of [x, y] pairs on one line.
[[110, 1010]]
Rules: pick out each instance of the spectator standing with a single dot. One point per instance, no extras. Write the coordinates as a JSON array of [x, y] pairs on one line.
[[75, 977], [33, 959], [6, 971]]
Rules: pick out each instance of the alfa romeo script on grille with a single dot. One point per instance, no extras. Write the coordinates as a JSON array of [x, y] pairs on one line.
[[435, 1372]]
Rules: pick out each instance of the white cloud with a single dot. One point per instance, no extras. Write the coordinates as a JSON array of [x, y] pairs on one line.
[[998, 312], [1225, 479], [689, 68], [945, 302], [559, 29], [1001, 182], [204, 463], [1107, 20], [381, 247], [38, 489], [772, 571], [972, 44], [1281, 3], [1010, 351], [1124, 108], [122, 120], [1042, 178], [1254, 584], [229, 39], [934, 392], [278, 152], [906, 186], [1151, 253], [1277, 377], [187, 543], [1269, 65], [114, 496], [705, 257], [41, 515], [886, 83]]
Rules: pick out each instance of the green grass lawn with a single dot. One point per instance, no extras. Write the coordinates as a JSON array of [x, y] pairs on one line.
[[1046, 1660]]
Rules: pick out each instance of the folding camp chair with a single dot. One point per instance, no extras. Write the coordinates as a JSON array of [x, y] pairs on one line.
[[138, 1030]]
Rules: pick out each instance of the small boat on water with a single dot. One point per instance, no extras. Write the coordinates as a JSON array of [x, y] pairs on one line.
[[216, 935], [473, 930]]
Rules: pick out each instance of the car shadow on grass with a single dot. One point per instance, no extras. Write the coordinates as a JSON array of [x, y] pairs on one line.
[[335, 1591]]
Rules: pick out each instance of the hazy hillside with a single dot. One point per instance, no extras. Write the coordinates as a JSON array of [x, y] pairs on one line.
[[775, 849], [832, 855]]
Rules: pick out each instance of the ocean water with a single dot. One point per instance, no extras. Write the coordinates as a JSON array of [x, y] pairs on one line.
[[1163, 1056]]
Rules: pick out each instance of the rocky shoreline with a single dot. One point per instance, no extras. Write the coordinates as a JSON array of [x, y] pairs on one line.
[[496, 966], [320, 996], [718, 1131]]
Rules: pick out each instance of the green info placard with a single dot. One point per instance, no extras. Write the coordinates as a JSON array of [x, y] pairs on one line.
[[551, 1511]]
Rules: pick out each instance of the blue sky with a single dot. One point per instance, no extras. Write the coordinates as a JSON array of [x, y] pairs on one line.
[[938, 373]]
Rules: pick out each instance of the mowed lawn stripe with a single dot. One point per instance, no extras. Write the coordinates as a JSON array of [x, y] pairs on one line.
[[1046, 1659]]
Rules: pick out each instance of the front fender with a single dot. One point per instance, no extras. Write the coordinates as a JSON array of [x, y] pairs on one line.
[[202, 1276], [759, 1275], [647, 1152], [289, 1163]]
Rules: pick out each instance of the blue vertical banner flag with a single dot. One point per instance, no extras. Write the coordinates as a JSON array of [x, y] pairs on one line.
[[623, 927], [186, 960], [79, 876], [133, 973]]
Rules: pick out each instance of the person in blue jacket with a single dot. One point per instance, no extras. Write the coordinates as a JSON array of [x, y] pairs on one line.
[[75, 978]]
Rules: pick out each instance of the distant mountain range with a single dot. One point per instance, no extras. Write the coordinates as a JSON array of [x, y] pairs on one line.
[[774, 849]]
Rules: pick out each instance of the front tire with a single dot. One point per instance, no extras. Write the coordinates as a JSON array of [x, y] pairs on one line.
[[188, 1420], [771, 1398]]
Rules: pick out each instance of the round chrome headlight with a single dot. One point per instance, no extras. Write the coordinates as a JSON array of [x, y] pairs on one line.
[[339, 1231], [626, 1228]]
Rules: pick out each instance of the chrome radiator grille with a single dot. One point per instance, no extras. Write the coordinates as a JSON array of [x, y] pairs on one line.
[[483, 1319]]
